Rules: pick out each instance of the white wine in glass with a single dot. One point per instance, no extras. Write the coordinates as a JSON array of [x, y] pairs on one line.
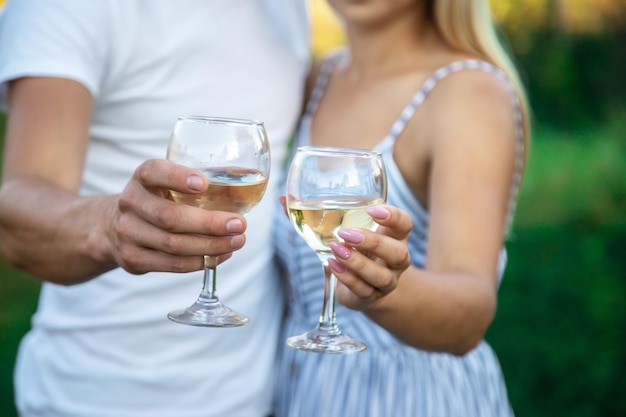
[[234, 156], [330, 188]]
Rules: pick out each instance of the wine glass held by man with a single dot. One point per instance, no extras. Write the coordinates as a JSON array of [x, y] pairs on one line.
[[427, 84], [234, 156], [92, 91]]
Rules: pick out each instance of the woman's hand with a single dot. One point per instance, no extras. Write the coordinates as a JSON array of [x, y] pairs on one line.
[[369, 264]]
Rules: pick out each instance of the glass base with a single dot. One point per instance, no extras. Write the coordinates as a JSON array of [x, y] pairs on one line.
[[213, 314], [323, 341]]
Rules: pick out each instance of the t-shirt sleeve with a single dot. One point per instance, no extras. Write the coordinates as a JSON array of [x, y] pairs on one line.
[[53, 38]]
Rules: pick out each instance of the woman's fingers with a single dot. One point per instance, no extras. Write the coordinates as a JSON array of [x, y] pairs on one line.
[[369, 264], [369, 267], [395, 222], [389, 243], [283, 202]]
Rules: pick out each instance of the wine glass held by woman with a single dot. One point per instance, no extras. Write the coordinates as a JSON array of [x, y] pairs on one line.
[[372, 261], [427, 84], [330, 193]]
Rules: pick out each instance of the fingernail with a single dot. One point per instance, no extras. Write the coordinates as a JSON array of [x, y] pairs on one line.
[[351, 236], [237, 241], [195, 182], [340, 250], [234, 226], [378, 212], [336, 266]]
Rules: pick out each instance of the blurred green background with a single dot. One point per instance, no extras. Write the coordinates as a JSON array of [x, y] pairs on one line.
[[560, 330]]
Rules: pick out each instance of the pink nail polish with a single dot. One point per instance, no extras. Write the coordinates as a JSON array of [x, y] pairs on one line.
[[378, 212], [340, 250], [350, 236], [336, 266]]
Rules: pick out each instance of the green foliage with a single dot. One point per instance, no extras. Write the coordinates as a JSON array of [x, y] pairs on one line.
[[576, 176], [572, 79], [559, 330], [18, 295]]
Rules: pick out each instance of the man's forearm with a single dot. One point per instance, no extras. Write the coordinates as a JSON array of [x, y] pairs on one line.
[[51, 233]]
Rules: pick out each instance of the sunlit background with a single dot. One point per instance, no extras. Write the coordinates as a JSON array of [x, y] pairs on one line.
[[560, 330], [522, 19]]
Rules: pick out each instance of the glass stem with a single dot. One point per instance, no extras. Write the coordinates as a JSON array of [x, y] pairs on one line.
[[328, 321], [209, 288]]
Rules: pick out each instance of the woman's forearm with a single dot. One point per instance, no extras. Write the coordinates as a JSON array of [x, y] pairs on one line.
[[445, 312]]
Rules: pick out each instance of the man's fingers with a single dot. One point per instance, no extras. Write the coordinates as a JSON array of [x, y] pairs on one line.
[[180, 218], [141, 199], [143, 247], [164, 174], [153, 233], [143, 260]]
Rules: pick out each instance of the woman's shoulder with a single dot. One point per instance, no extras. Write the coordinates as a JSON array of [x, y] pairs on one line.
[[468, 83], [468, 101]]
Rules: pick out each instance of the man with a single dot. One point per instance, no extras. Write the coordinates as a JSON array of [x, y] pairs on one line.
[[92, 91]]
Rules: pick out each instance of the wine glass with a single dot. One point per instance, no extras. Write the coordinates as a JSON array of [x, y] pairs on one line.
[[330, 188], [234, 156]]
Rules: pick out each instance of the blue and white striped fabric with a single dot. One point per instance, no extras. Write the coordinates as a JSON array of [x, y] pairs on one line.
[[390, 379]]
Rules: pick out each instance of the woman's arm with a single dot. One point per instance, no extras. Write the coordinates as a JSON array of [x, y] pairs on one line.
[[449, 305]]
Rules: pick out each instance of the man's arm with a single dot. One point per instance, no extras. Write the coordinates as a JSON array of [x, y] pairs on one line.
[[51, 232]]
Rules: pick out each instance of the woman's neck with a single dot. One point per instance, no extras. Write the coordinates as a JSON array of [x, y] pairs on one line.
[[387, 50]]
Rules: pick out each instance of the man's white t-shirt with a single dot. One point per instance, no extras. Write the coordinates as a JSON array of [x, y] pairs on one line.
[[105, 347]]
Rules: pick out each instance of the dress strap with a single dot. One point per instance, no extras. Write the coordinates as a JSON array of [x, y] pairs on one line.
[[432, 81], [428, 86], [302, 136], [320, 84]]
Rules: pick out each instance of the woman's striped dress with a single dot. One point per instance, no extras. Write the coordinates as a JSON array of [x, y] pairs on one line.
[[390, 379]]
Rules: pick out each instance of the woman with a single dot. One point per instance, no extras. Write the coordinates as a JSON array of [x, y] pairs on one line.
[[455, 156]]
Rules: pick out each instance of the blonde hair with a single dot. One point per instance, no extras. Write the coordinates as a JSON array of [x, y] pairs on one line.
[[468, 26]]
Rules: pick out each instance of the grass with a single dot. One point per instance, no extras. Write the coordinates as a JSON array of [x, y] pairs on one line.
[[560, 329]]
